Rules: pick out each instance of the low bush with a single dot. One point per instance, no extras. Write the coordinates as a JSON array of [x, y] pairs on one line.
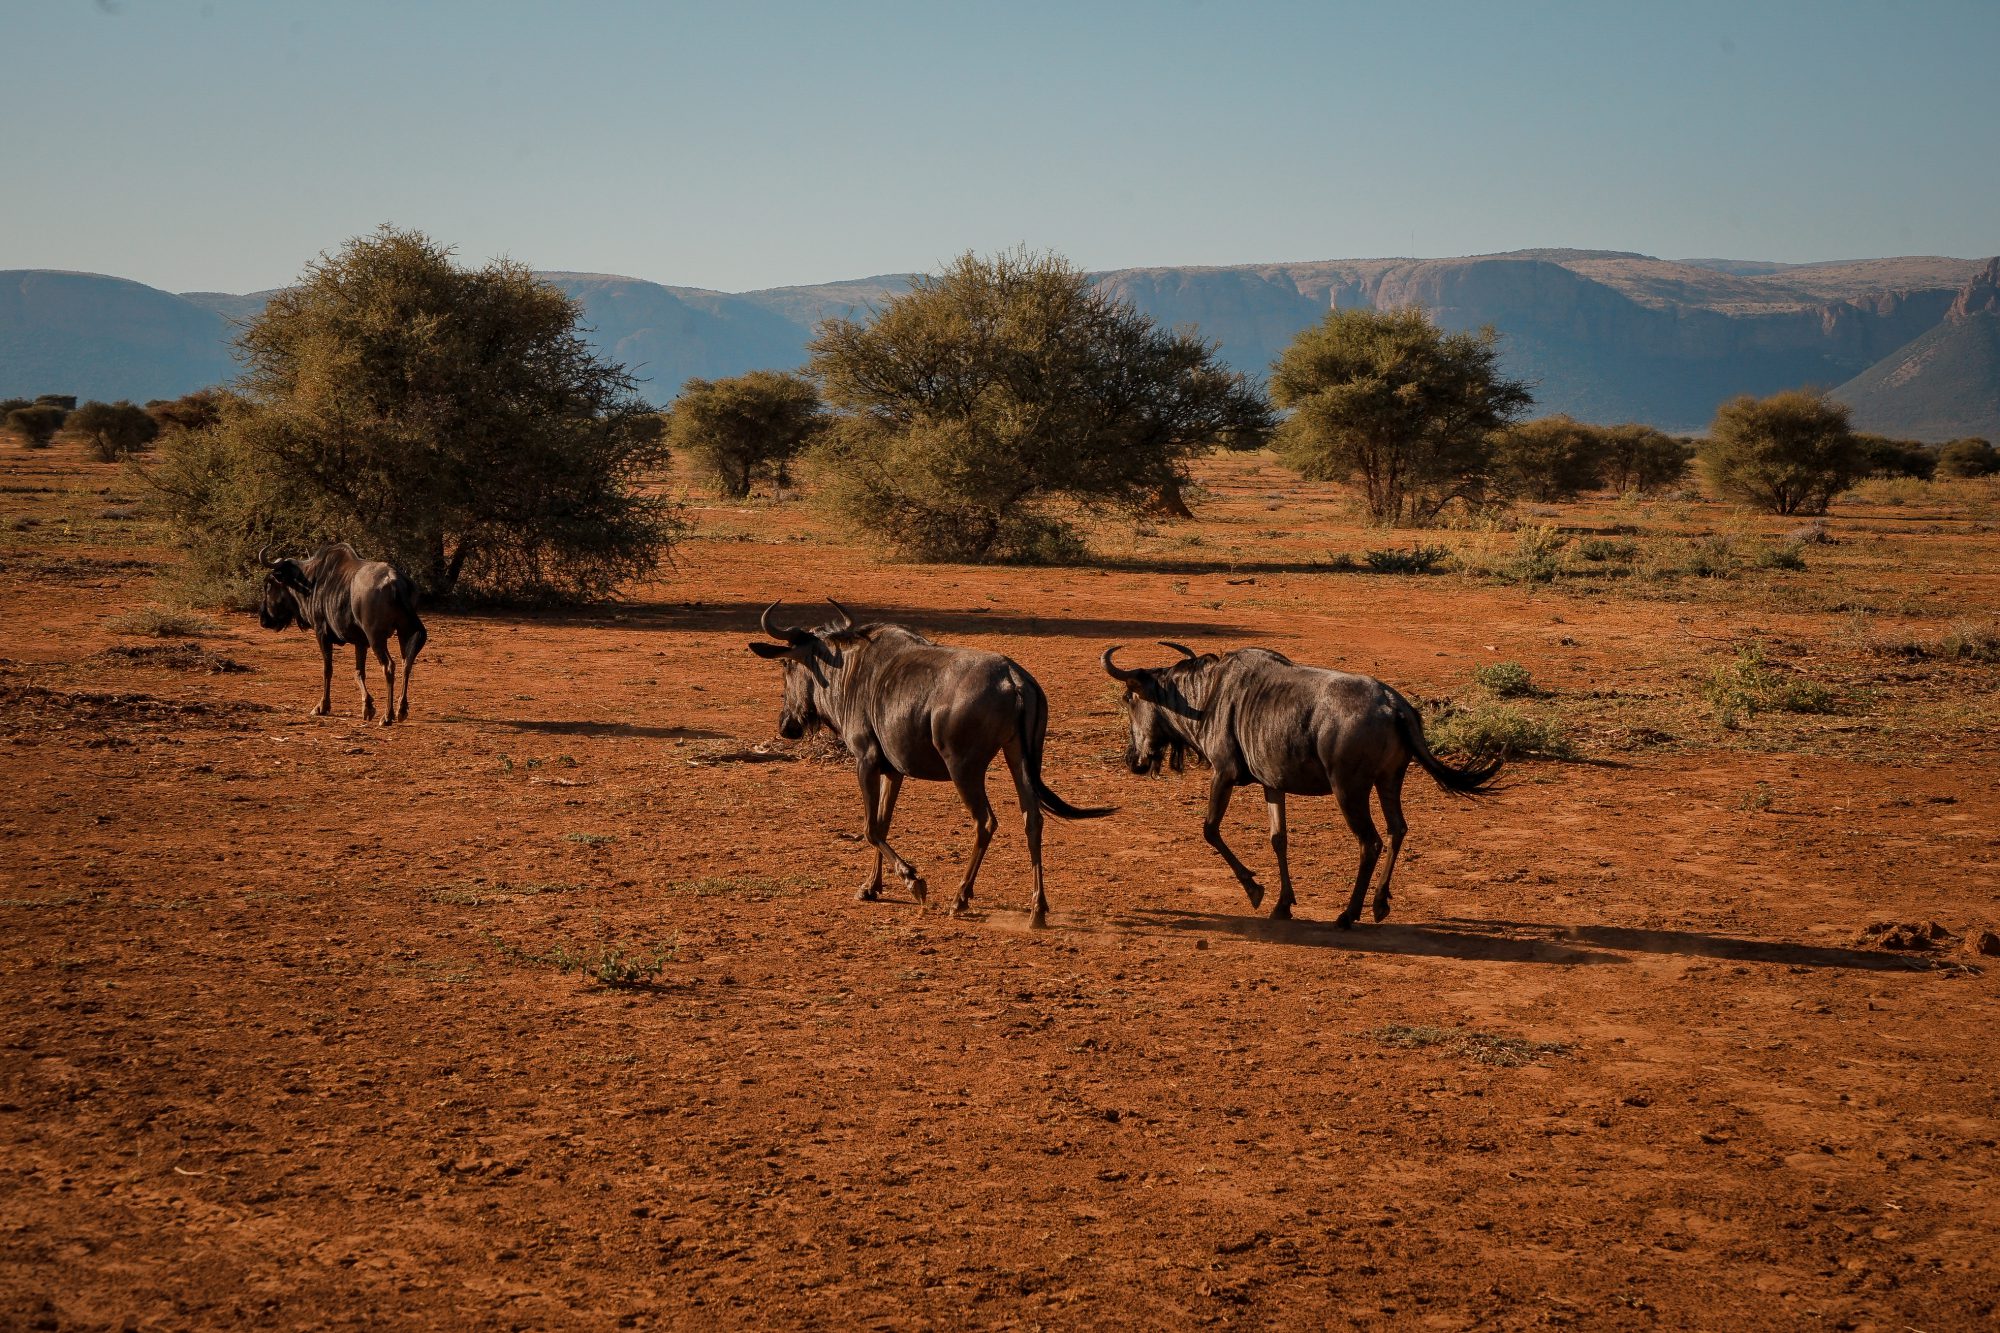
[[1416, 560], [1487, 729], [1505, 680], [1748, 684], [160, 622]]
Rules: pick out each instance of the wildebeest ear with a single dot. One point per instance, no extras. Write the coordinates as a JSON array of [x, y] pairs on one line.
[[292, 576], [768, 650]]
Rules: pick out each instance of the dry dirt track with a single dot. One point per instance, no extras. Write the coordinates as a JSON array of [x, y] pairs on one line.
[[274, 1050]]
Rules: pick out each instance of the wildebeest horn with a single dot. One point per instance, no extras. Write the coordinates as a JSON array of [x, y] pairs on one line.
[[1113, 670], [846, 621], [261, 552], [764, 621], [1180, 648]]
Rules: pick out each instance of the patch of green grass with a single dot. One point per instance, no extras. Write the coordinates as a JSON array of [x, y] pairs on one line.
[[1786, 555], [163, 622], [1485, 729], [1747, 685], [1415, 560], [1486, 1048], [749, 888], [586, 839], [1506, 680], [608, 964]]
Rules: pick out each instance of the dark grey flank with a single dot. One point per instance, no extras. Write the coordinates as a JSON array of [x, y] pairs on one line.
[[342, 598], [1258, 718], [907, 707]]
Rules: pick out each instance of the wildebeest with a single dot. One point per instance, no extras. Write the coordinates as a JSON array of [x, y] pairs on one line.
[[1256, 717], [907, 707], [342, 598]]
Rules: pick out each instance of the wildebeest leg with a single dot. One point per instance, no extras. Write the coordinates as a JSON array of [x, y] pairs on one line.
[[325, 679], [388, 674], [1274, 802], [1220, 789], [1031, 824], [1354, 805], [970, 779], [1391, 792], [361, 679], [409, 665], [879, 789]]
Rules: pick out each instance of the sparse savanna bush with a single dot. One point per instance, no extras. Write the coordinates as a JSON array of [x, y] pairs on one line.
[[1966, 641], [1425, 559], [1749, 683], [1790, 453], [112, 431], [164, 622], [1970, 457], [452, 421], [747, 428], [35, 424], [1493, 719], [980, 414]]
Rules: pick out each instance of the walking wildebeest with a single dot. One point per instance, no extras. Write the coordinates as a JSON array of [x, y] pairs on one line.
[[907, 707], [1298, 731], [342, 598]]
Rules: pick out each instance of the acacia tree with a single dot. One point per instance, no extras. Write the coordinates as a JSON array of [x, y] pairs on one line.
[[1549, 459], [451, 420], [1790, 453], [1388, 400], [746, 427], [36, 424], [112, 431], [984, 403], [1969, 457], [1640, 458]]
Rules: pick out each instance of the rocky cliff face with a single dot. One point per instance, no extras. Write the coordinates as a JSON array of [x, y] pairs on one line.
[[1944, 383]]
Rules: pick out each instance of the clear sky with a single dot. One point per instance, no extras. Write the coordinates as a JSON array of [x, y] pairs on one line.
[[219, 145]]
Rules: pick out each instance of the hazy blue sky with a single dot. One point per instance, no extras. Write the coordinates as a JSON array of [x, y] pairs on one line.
[[219, 145]]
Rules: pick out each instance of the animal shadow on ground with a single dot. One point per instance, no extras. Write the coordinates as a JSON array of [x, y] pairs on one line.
[[1531, 941], [1698, 944], [557, 727], [1390, 938], [742, 617]]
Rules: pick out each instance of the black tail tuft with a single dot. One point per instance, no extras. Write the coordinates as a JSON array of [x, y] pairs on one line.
[[1473, 780], [1034, 724]]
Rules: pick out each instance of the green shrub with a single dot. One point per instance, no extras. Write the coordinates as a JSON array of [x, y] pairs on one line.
[[1605, 550], [112, 431], [1498, 729], [746, 428], [36, 425], [1505, 680], [1538, 555], [1747, 685], [1416, 560], [1968, 458], [1790, 453], [1788, 555]]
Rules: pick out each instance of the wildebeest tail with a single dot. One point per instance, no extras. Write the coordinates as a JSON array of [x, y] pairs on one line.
[[1472, 780], [1034, 724], [416, 636]]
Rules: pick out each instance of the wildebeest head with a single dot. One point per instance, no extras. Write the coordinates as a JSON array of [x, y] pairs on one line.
[[1156, 705], [804, 654], [285, 582]]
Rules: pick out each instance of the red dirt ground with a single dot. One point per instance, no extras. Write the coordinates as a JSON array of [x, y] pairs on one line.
[[276, 1049]]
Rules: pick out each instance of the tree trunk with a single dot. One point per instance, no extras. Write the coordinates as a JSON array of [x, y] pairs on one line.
[[1168, 502]]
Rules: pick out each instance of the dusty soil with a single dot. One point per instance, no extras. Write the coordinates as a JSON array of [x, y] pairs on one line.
[[285, 1038]]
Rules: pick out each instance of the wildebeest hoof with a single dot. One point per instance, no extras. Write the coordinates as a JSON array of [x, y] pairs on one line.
[[960, 903], [869, 893], [1282, 912], [1038, 919], [368, 711], [920, 890], [1255, 892], [321, 710], [1345, 920], [1381, 908]]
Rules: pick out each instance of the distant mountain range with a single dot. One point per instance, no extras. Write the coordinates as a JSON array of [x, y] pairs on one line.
[[1913, 343]]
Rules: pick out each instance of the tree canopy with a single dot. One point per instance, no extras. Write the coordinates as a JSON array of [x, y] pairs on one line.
[[982, 408], [112, 431], [451, 420], [1790, 453], [1405, 410], [747, 427]]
